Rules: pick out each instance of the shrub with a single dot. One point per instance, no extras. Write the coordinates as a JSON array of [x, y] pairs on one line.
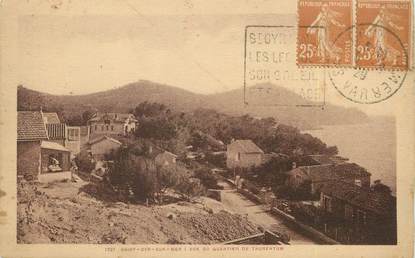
[[207, 178], [84, 162], [139, 177], [217, 160]]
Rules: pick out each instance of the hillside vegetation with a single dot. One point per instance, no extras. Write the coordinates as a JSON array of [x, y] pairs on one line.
[[122, 99]]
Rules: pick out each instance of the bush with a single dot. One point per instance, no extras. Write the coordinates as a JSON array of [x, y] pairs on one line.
[[84, 162], [139, 177], [217, 160], [207, 178], [156, 128], [189, 187]]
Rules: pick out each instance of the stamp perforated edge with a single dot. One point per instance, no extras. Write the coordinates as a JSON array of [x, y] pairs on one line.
[[410, 56], [320, 65]]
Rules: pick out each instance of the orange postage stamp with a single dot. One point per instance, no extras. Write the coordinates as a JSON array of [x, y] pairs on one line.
[[383, 37], [323, 34]]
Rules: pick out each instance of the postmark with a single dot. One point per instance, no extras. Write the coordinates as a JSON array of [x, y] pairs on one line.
[[271, 75], [320, 41], [383, 34], [366, 86], [369, 86]]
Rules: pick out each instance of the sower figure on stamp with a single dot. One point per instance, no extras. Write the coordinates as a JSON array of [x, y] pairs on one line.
[[321, 25], [377, 31]]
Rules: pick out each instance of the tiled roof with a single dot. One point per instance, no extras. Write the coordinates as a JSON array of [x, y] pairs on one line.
[[51, 118], [339, 171], [379, 203], [30, 126], [247, 146], [98, 139]]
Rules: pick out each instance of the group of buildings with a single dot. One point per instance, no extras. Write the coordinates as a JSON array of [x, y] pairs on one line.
[[344, 189], [46, 145]]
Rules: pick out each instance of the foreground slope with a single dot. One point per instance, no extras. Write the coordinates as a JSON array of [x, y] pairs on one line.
[[64, 213]]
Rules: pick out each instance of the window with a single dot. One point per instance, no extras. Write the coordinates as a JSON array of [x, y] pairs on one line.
[[348, 212], [112, 128], [361, 217], [107, 128], [73, 134], [238, 156], [102, 128], [327, 203]]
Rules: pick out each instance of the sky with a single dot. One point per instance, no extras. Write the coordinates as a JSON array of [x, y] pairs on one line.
[[202, 53]]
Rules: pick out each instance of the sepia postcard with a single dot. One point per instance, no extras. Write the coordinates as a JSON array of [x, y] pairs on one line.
[[193, 128]]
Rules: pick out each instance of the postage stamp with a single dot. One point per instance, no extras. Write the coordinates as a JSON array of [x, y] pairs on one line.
[[322, 39], [383, 37]]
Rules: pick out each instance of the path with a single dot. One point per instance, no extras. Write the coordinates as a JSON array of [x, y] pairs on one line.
[[238, 203]]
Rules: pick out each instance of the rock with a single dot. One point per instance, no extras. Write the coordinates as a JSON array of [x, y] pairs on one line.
[[171, 215]]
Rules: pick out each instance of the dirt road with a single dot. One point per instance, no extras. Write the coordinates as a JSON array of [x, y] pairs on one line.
[[237, 203]]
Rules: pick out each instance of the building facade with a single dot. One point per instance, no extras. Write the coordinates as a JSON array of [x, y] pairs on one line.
[[369, 213], [30, 132], [243, 154], [111, 124], [101, 146], [320, 175]]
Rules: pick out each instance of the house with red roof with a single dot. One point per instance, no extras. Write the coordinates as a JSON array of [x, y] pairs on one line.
[[36, 154], [371, 213], [243, 154], [111, 124], [30, 132], [100, 146], [319, 175]]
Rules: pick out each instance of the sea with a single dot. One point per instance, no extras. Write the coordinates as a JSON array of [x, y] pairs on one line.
[[370, 145]]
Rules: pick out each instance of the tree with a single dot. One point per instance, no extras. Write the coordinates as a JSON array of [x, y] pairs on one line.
[[198, 140], [189, 187], [156, 128], [207, 178], [272, 172], [75, 120], [381, 188], [148, 109], [84, 162], [139, 175], [86, 115]]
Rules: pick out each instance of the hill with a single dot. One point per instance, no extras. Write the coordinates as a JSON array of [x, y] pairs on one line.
[[124, 98]]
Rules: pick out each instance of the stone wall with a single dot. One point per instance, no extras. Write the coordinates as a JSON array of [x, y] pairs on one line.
[[28, 158]]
